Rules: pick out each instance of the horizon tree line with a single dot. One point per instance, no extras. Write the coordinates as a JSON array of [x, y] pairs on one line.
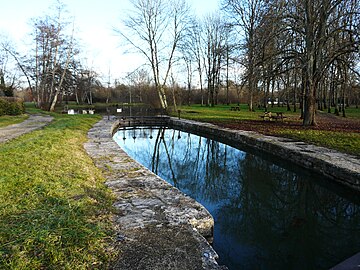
[[306, 50]]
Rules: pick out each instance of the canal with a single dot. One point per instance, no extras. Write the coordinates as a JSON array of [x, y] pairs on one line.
[[268, 215]]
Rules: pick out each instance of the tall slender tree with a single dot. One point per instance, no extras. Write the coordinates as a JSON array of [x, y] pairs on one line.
[[216, 33], [155, 29], [246, 15]]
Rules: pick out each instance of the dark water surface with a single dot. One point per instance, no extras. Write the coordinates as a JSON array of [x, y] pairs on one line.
[[267, 216]]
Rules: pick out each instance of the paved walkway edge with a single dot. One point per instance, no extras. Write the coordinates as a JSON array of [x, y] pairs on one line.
[[35, 121], [158, 227]]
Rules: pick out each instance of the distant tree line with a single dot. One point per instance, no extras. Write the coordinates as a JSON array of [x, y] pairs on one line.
[[303, 54], [307, 49]]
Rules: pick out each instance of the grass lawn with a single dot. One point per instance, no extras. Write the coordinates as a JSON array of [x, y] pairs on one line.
[[351, 112], [219, 113], [54, 209], [347, 141], [6, 120]]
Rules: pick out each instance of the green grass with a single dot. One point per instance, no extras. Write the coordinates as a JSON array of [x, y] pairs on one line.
[[54, 209], [7, 120], [351, 112], [343, 142], [222, 113], [31, 109]]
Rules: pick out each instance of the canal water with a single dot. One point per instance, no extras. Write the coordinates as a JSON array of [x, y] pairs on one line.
[[267, 215]]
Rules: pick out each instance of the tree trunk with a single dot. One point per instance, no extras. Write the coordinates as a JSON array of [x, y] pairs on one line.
[[227, 75], [267, 92], [162, 97], [295, 90], [310, 105]]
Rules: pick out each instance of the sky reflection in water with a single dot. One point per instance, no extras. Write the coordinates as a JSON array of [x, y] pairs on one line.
[[266, 216]]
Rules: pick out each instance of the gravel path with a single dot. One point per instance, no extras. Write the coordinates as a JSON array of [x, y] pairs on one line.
[[34, 122]]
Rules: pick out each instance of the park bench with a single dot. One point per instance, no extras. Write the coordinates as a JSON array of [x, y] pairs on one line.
[[267, 116], [279, 116], [235, 108]]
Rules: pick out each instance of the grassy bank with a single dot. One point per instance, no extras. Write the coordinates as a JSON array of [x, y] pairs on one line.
[[344, 141], [341, 141], [219, 113], [54, 208]]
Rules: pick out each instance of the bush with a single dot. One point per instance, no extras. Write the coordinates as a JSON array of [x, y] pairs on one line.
[[11, 106]]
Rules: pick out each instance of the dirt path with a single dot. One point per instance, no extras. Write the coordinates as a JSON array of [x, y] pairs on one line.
[[34, 122]]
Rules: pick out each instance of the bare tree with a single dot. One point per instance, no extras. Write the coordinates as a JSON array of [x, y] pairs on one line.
[[327, 30], [216, 34], [54, 54], [313, 40], [86, 81], [194, 52], [9, 50], [155, 28], [246, 15], [63, 73], [139, 80]]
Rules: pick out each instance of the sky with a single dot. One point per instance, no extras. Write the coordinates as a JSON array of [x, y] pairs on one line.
[[94, 24]]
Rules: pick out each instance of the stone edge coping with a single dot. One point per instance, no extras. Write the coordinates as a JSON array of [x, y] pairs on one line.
[[351, 263], [341, 167], [143, 198]]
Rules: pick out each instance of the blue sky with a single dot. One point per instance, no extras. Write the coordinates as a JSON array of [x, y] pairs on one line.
[[94, 22]]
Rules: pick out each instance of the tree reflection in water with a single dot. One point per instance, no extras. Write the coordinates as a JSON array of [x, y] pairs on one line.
[[267, 216]]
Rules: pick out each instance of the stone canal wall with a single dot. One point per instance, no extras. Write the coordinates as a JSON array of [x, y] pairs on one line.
[[342, 168], [158, 227]]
